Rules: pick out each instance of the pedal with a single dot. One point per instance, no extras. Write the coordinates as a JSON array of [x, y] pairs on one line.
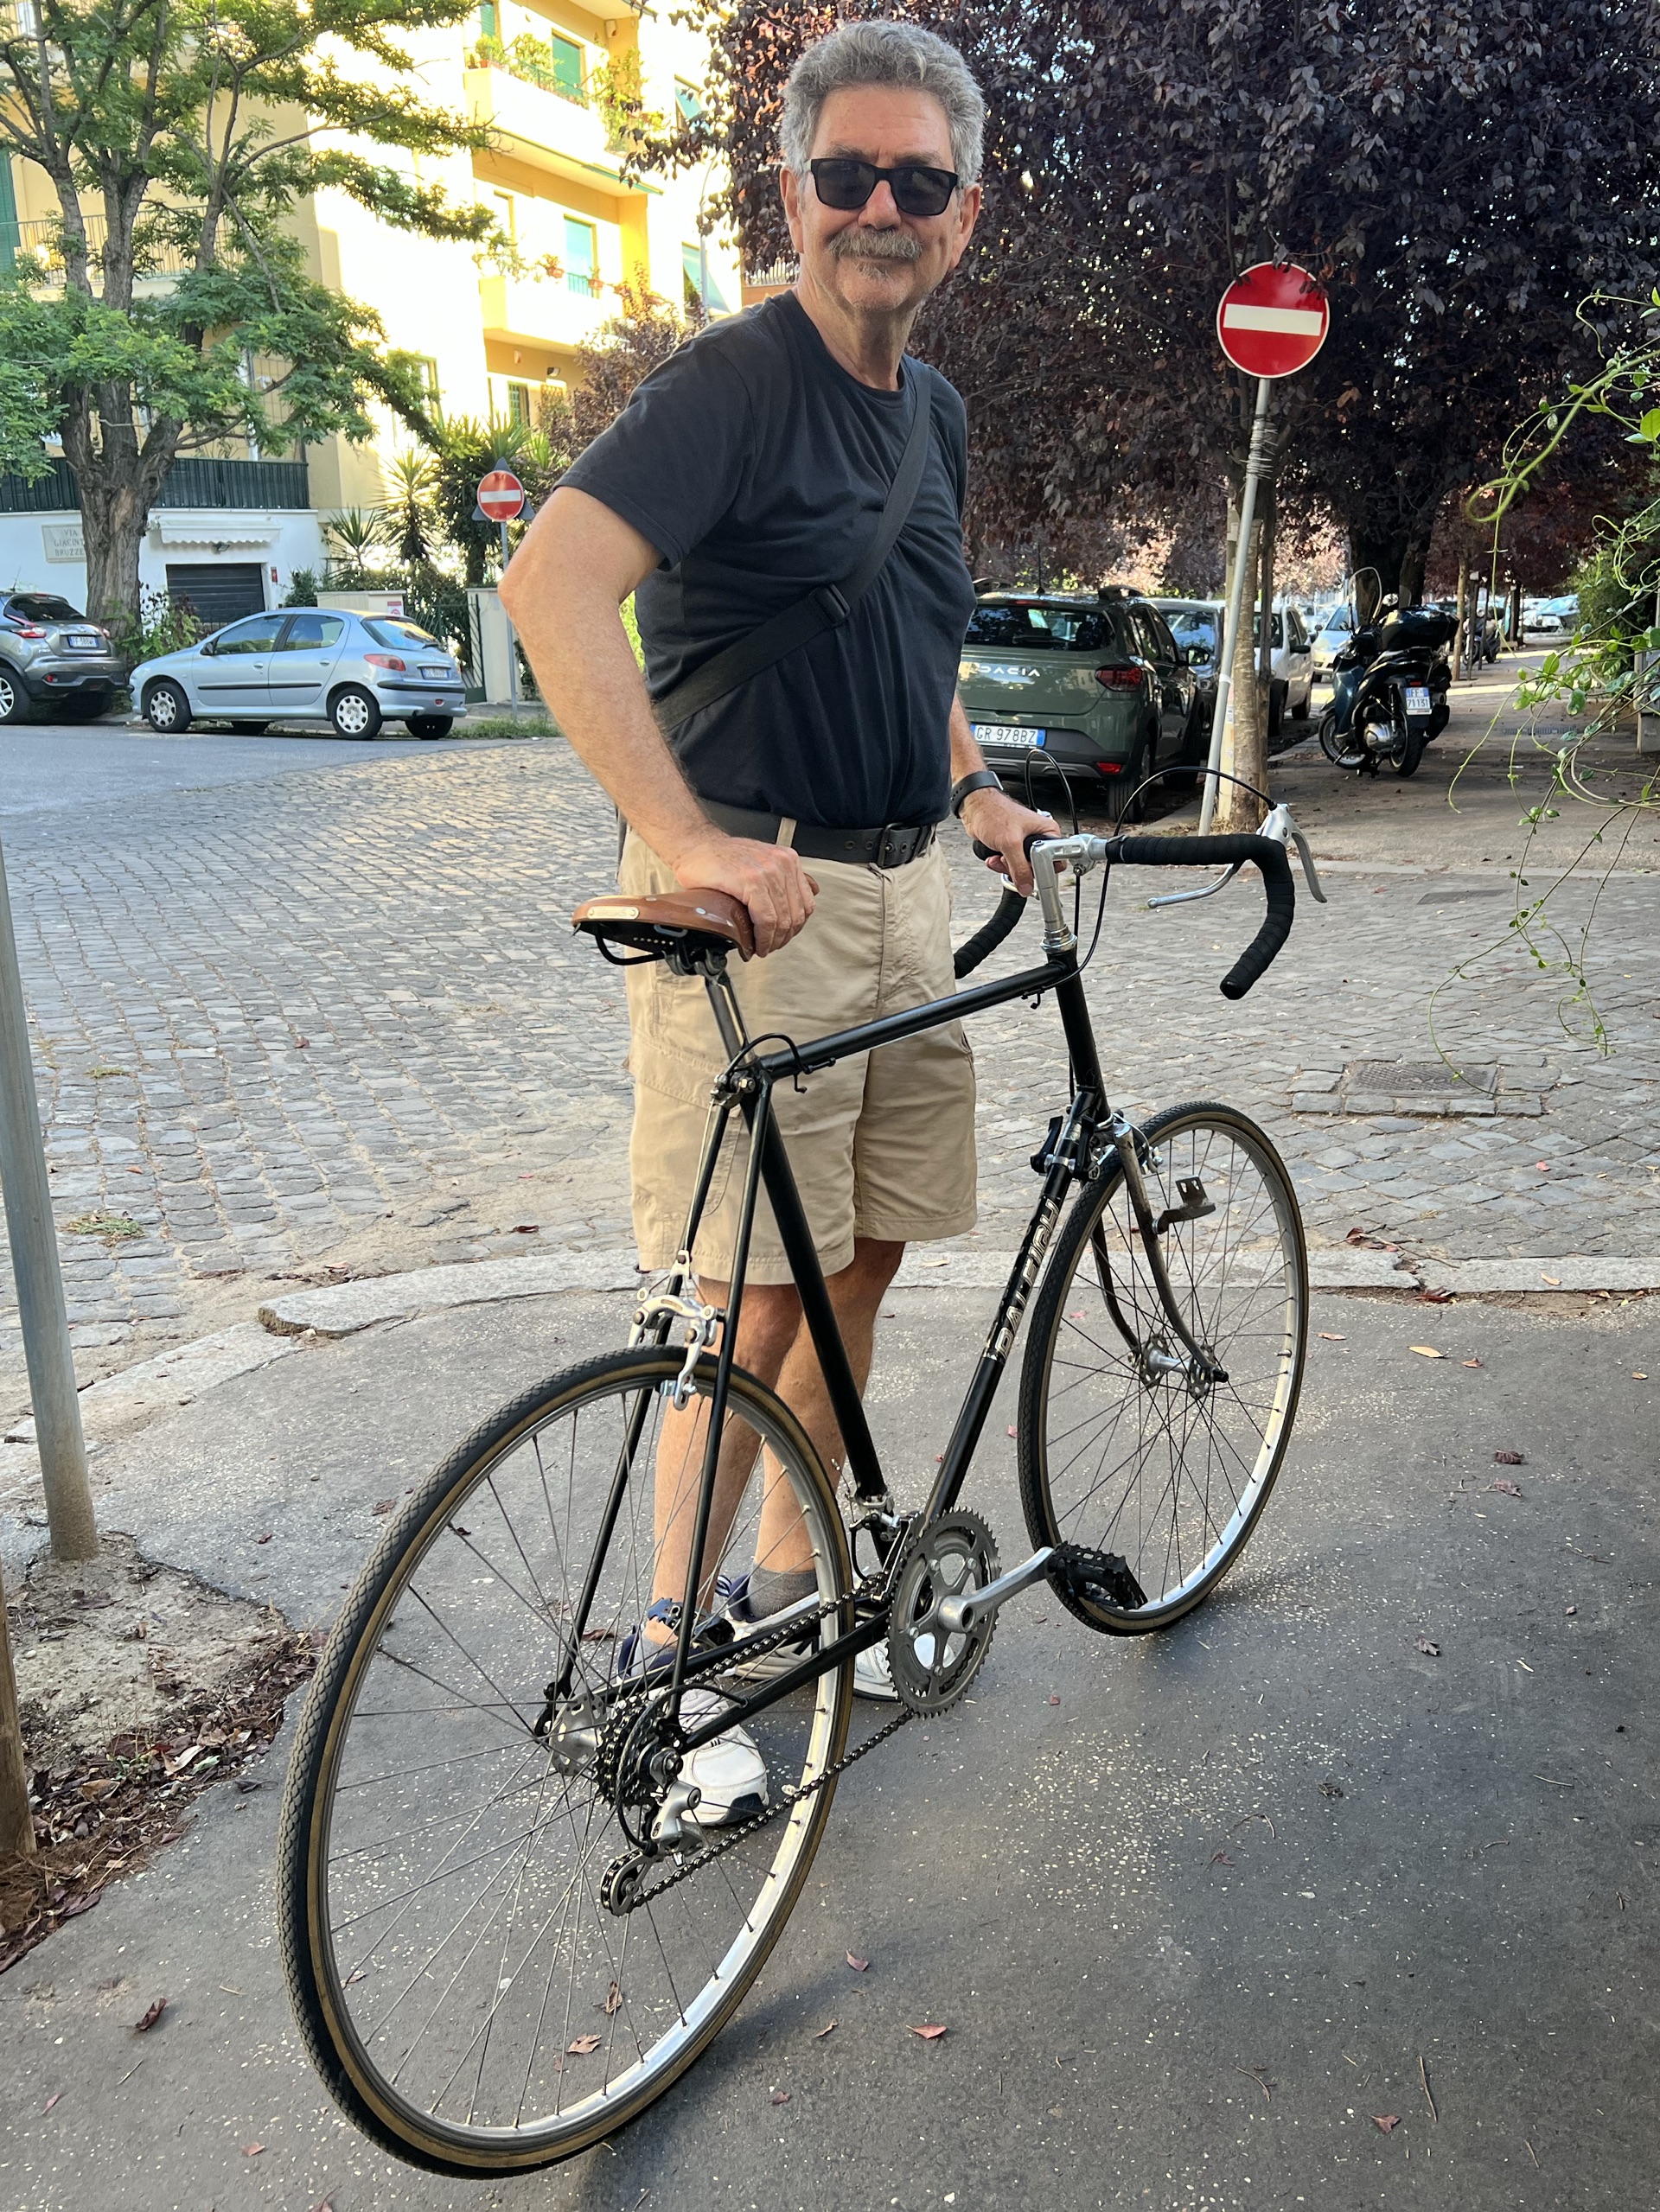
[[1101, 1575]]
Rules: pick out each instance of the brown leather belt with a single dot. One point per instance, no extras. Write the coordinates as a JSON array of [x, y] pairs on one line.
[[895, 845]]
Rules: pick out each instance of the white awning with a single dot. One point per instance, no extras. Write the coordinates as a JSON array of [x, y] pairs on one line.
[[217, 527]]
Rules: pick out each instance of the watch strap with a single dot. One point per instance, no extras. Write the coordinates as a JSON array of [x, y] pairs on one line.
[[965, 787]]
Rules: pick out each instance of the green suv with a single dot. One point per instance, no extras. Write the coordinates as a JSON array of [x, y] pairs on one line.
[[1095, 689]]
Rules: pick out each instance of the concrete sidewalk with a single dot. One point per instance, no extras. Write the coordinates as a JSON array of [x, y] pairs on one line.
[[1198, 1911]]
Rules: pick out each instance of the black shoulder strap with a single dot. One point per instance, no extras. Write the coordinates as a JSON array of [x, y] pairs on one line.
[[823, 608]]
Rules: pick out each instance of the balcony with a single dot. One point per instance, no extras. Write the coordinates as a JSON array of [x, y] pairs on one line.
[[566, 310], [198, 480], [549, 131], [43, 238]]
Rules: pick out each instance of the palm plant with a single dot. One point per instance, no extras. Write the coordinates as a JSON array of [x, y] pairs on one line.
[[412, 525], [359, 533]]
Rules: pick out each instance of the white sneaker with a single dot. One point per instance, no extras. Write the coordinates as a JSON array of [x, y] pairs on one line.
[[873, 1676], [729, 1771]]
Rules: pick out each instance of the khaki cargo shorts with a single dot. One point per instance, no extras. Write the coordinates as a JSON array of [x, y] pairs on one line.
[[882, 1145]]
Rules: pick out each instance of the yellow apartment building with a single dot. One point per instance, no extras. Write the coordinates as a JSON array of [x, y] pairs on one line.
[[546, 80]]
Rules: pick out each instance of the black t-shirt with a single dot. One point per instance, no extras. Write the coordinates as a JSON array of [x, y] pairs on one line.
[[758, 469]]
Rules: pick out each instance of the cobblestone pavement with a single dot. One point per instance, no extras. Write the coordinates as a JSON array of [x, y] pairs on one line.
[[337, 1019]]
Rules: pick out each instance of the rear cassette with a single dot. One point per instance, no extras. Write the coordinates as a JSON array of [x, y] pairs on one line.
[[932, 1667]]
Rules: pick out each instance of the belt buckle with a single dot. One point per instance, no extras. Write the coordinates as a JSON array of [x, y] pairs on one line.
[[896, 846]]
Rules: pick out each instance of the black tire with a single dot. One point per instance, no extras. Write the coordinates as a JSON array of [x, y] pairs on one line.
[[1276, 709], [1304, 712], [1198, 1465], [355, 713], [250, 729], [166, 708], [1407, 761], [1129, 801], [475, 1613], [1341, 751], [430, 725], [16, 705], [1195, 753]]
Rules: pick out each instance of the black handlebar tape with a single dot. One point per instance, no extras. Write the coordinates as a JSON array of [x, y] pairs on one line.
[[990, 851], [1260, 954], [966, 958]]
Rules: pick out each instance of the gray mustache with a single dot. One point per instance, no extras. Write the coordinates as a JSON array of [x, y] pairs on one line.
[[875, 245]]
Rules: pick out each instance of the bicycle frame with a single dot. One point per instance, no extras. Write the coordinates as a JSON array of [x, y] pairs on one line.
[[1072, 1154]]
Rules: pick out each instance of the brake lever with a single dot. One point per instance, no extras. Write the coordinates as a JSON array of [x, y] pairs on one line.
[[1185, 898], [1283, 830]]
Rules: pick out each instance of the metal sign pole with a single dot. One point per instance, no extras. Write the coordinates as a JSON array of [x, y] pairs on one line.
[[1255, 469], [34, 1239], [512, 642]]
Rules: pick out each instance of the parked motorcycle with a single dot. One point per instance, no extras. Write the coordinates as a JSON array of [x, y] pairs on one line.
[[1390, 700]]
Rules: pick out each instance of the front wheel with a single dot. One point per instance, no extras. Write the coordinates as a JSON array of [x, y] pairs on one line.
[[354, 713], [1120, 1448], [476, 1996], [1339, 746], [166, 708]]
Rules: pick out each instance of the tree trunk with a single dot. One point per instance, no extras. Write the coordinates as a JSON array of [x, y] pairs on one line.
[[118, 482], [1460, 636], [1265, 608], [16, 1828], [1244, 747]]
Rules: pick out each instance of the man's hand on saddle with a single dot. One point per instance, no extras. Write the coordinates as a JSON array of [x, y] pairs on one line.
[[1003, 823], [769, 879]]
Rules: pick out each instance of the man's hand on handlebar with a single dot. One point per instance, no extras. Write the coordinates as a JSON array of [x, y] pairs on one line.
[[1004, 823], [769, 879]]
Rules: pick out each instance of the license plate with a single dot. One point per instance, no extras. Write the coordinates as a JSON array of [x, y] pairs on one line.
[[84, 641], [438, 675], [1417, 699], [1009, 739]]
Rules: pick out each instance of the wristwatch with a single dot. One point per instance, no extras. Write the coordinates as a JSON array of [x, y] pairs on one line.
[[965, 787]]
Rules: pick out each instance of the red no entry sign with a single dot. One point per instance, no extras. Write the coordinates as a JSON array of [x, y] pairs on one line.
[[500, 495], [1272, 320]]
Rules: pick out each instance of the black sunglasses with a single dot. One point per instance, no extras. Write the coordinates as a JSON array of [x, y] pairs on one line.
[[846, 185]]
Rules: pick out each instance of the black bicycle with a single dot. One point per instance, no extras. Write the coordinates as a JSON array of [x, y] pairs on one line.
[[506, 1928]]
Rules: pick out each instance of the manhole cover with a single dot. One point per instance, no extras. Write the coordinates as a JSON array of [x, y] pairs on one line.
[[1421, 1078]]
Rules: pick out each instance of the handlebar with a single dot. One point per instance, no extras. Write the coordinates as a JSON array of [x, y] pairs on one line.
[[1266, 853]]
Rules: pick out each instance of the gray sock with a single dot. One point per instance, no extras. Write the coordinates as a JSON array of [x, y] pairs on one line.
[[770, 1591]]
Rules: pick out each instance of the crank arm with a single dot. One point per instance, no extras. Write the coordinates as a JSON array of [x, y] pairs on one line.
[[1186, 898], [956, 1613]]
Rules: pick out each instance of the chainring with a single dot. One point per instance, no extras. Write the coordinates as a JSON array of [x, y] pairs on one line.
[[932, 1667]]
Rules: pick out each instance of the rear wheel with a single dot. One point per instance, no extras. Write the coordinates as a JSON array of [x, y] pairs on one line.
[[1406, 762], [430, 725], [1129, 801], [354, 713], [476, 1998], [14, 699], [1118, 1449], [1302, 711], [166, 708]]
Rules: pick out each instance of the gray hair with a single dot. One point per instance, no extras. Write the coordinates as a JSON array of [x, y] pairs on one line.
[[884, 54]]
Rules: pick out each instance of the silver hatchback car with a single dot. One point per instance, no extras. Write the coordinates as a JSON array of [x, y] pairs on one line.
[[306, 664]]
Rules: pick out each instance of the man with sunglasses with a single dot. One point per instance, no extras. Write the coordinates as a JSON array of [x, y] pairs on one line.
[[750, 469]]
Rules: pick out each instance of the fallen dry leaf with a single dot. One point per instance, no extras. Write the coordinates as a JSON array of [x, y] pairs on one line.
[[1434, 1297], [1508, 1459], [1386, 2122], [781, 2096], [1331, 1337], [143, 2027], [859, 1966], [1221, 1858], [1430, 1650], [583, 2046], [613, 1999], [1637, 1375], [818, 2034], [50, 2101], [384, 1505], [252, 2149], [929, 2035], [1506, 1487], [1053, 1700], [1473, 1363], [1426, 1352]]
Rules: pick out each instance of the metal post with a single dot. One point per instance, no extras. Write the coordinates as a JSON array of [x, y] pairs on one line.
[[512, 642], [33, 1240], [1256, 467]]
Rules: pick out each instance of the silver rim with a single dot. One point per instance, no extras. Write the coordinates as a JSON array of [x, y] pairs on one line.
[[481, 1994], [1141, 1465], [352, 716], [162, 708], [8, 699]]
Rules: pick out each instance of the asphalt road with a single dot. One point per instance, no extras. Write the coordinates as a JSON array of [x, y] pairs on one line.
[[1341, 1894], [47, 766]]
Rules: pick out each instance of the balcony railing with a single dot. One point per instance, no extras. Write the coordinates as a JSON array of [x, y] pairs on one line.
[[43, 238], [198, 479], [775, 275]]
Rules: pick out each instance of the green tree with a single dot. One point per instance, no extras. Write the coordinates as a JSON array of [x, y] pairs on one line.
[[178, 136]]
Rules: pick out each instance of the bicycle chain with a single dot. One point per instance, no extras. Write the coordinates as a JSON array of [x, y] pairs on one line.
[[754, 1648]]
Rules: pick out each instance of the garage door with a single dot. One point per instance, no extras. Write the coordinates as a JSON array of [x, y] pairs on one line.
[[218, 591]]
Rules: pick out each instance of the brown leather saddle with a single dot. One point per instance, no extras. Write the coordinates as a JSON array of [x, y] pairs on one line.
[[683, 923]]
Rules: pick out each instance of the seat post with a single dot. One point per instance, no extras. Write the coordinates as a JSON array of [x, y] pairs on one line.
[[723, 1000]]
